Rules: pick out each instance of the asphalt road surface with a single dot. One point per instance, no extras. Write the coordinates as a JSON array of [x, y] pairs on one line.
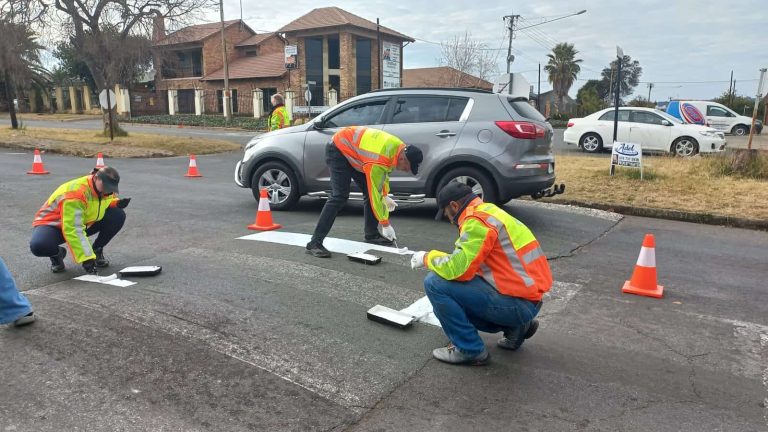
[[243, 335]]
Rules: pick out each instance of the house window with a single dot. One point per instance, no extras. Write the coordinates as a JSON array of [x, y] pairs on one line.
[[250, 53], [313, 52], [183, 64], [363, 61], [334, 60]]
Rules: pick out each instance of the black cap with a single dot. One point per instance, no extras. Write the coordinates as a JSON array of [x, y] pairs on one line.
[[414, 156], [109, 179], [453, 191]]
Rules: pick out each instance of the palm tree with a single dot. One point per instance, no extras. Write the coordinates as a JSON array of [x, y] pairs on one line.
[[562, 68], [20, 64]]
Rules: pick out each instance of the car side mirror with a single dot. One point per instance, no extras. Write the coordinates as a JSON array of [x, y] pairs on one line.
[[666, 123], [318, 125]]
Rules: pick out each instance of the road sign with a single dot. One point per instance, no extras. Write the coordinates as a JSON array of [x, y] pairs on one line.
[[308, 96], [103, 99]]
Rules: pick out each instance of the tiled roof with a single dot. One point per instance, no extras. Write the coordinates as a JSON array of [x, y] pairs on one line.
[[255, 39], [264, 66], [442, 76], [195, 33], [334, 17]]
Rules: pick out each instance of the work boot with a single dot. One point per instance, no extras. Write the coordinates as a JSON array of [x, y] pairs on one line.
[[451, 354], [318, 250], [515, 337], [57, 261], [25, 320], [379, 239], [101, 262]]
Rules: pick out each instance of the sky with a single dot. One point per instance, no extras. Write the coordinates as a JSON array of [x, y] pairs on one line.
[[687, 48]]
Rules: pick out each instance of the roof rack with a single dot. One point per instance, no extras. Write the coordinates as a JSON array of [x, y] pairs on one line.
[[434, 88]]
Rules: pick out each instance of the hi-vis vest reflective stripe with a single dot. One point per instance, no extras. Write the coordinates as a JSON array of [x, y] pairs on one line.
[[373, 152], [279, 118], [498, 248], [73, 207]]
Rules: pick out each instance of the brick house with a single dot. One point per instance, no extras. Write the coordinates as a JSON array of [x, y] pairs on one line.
[[335, 50], [443, 76], [190, 66]]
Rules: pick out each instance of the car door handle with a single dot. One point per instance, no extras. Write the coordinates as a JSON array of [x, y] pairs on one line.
[[445, 134]]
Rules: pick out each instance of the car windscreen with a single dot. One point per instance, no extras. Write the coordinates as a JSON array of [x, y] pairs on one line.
[[523, 108]]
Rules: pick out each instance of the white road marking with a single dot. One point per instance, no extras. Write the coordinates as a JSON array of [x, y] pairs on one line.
[[106, 280], [332, 244]]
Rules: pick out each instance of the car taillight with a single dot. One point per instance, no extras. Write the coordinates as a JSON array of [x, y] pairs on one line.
[[570, 124], [522, 130]]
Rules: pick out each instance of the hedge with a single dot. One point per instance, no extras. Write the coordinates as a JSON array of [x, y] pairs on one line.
[[248, 123]]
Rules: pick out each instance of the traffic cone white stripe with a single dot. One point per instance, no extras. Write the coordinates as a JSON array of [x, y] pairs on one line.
[[37, 159], [647, 257], [193, 162], [264, 204]]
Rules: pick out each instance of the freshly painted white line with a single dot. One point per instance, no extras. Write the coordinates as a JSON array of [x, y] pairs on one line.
[[421, 309], [16, 153], [332, 244], [106, 280]]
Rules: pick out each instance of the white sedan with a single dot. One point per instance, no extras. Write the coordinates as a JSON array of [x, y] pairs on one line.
[[655, 130]]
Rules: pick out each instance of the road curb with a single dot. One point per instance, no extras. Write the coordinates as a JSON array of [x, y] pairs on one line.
[[677, 215]]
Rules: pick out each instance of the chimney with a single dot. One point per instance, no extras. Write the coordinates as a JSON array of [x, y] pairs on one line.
[[158, 28]]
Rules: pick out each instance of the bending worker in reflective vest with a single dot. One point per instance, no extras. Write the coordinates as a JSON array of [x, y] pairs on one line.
[[77, 209], [367, 156], [492, 282]]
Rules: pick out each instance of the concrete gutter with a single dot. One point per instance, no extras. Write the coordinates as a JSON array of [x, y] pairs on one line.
[[677, 215]]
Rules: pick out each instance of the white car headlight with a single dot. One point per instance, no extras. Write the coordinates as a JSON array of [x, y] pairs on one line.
[[252, 143], [708, 133]]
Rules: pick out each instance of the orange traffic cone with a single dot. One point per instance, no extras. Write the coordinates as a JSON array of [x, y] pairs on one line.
[[100, 160], [37, 165], [264, 215], [192, 170], [643, 280]]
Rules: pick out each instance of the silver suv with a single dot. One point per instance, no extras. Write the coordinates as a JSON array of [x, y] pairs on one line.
[[500, 146]]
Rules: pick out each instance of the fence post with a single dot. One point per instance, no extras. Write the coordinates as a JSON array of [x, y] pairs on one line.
[[333, 98], [73, 100], [173, 101], [199, 109], [289, 95], [87, 98], [258, 103], [125, 103]]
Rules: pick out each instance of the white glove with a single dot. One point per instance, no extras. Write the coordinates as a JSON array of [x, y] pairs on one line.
[[417, 260], [390, 203], [387, 232]]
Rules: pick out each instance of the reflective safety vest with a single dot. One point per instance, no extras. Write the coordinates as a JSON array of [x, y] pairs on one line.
[[279, 118], [73, 207], [373, 152], [497, 247]]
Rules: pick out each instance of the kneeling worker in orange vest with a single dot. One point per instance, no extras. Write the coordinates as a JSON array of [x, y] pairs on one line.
[[77, 209], [492, 282], [367, 156]]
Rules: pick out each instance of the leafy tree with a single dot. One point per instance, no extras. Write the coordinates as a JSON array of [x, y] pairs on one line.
[[630, 77], [563, 69], [740, 103], [71, 65], [20, 64], [640, 101], [588, 98]]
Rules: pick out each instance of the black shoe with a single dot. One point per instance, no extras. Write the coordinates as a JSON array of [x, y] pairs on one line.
[[57, 262], [378, 239], [101, 262], [515, 337], [318, 251]]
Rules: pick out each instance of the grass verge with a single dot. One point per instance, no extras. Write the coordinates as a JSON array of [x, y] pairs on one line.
[[695, 185], [86, 143]]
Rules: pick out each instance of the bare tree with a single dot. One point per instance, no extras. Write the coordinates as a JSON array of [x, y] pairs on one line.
[[113, 35], [468, 58]]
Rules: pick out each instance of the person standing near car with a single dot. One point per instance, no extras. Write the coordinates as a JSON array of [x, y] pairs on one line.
[[279, 117], [77, 209], [492, 282], [367, 156]]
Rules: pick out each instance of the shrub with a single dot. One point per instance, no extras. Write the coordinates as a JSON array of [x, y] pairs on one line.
[[739, 164], [248, 123]]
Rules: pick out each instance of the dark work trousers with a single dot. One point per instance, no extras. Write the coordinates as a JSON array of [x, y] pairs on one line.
[[46, 239], [342, 175]]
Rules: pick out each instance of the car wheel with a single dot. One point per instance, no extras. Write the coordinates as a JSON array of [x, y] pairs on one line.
[[740, 130], [279, 181], [685, 147], [481, 185], [591, 143]]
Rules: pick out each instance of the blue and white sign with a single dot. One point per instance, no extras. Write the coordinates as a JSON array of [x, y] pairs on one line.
[[627, 155]]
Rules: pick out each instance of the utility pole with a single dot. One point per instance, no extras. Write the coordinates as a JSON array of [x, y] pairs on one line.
[[620, 57], [758, 98], [650, 86], [538, 92], [511, 21], [378, 56], [225, 99], [730, 90]]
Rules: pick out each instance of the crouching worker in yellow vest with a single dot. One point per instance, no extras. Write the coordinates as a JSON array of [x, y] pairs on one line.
[[77, 209], [367, 156], [492, 282]]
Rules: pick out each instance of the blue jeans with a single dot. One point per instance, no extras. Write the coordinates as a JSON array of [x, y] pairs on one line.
[[463, 308], [13, 304]]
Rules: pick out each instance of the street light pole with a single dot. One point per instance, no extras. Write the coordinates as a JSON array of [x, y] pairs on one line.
[[225, 98]]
